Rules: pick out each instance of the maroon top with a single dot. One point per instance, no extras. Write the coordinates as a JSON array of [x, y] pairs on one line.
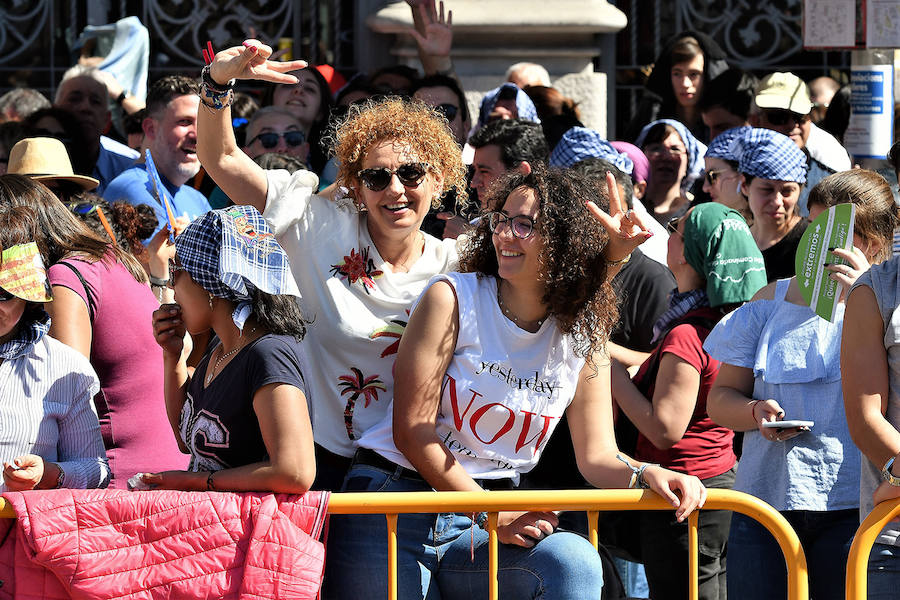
[[129, 363]]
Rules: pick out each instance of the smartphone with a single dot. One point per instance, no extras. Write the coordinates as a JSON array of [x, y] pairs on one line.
[[788, 424]]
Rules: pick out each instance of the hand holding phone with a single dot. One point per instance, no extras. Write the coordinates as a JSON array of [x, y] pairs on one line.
[[789, 424]]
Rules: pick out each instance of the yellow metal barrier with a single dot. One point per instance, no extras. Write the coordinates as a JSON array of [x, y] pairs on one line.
[[858, 561], [393, 503]]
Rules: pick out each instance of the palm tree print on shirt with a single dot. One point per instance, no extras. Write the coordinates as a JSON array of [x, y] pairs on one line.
[[394, 330], [357, 266], [354, 385]]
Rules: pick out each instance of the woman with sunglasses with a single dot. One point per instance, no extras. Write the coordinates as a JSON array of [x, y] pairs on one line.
[[101, 307], [780, 362], [491, 359], [773, 171], [50, 435], [242, 414], [717, 266], [675, 158], [722, 181]]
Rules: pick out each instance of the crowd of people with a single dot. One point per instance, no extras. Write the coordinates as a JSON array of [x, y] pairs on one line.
[[282, 280]]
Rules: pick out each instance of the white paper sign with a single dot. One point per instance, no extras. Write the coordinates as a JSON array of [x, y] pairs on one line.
[[829, 23], [883, 23]]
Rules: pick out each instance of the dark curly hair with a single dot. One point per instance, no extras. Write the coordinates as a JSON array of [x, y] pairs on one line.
[[574, 272], [130, 224]]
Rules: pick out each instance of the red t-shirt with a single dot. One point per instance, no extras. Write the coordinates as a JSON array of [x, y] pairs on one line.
[[706, 448]]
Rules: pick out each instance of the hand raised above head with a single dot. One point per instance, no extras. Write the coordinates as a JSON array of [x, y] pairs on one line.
[[626, 229], [251, 61]]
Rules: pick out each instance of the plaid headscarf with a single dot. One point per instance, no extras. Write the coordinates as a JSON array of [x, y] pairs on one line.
[[719, 246], [524, 105], [770, 155], [695, 149], [722, 146], [230, 252], [580, 143]]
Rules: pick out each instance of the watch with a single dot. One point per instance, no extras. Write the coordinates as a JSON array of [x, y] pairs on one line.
[[887, 475]]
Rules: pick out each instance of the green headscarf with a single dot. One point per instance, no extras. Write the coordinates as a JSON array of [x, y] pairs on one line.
[[719, 246]]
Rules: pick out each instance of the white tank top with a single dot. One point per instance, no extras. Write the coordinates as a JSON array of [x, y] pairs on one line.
[[505, 389]]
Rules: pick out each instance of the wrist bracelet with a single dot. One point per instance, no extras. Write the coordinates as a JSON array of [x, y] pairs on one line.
[[159, 281], [635, 472], [206, 77], [753, 410], [60, 477], [210, 486], [121, 97], [214, 95], [480, 519], [641, 482]]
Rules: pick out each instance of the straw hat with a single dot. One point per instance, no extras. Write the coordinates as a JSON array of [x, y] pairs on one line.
[[45, 159]]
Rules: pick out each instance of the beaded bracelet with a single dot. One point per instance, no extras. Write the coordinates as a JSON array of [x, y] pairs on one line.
[[213, 94]]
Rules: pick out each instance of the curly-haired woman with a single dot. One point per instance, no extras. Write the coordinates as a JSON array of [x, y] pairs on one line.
[[359, 264], [491, 360]]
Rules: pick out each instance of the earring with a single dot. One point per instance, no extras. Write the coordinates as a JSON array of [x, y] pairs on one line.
[[210, 302], [739, 187]]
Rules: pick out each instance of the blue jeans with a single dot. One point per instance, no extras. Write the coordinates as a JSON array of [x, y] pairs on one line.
[[435, 555], [884, 572], [756, 567]]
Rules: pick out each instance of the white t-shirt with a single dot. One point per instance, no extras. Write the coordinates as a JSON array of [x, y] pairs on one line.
[[504, 392], [357, 306]]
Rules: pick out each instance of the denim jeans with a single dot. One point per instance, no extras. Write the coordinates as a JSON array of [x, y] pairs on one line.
[[756, 567], [884, 572], [435, 555]]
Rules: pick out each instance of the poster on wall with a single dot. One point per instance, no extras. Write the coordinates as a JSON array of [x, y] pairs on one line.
[[882, 23], [829, 24], [870, 131]]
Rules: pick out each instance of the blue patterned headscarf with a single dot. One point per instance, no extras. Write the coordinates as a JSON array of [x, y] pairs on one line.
[[580, 143], [722, 146], [524, 105], [770, 155], [695, 149], [230, 252]]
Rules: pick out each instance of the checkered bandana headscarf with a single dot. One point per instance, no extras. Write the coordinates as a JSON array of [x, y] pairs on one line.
[[722, 146], [770, 155], [230, 252], [695, 149], [580, 143], [524, 105]]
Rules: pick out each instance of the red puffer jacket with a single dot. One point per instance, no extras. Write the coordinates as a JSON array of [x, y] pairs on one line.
[[161, 544]]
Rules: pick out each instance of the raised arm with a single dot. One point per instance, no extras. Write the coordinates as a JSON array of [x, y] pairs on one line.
[[238, 176]]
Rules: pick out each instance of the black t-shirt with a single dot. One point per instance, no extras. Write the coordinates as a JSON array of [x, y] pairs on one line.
[[779, 258], [218, 424]]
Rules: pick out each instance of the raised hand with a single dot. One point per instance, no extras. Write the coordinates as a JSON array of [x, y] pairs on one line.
[[251, 61], [434, 36], [625, 228]]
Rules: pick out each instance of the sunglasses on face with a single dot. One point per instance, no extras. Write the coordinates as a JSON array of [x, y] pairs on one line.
[[448, 110], [672, 225], [521, 226], [270, 139], [173, 269], [409, 174], [780, 117], [5, 296], [713, 176]]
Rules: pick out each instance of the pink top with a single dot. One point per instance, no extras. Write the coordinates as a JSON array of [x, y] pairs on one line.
[[129, 363]]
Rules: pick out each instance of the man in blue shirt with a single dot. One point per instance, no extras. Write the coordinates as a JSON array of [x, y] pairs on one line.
[[170, 132]]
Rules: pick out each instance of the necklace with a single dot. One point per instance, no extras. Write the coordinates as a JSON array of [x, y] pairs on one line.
[[211, 374], [520, 323]]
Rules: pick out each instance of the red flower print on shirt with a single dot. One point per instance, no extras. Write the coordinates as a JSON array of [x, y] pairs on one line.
[[357, 266]]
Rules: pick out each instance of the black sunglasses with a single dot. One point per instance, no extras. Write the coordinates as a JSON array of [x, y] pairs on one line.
[[448, 110], [672, 225], [712, 176], [4, 295], [779, 116], [270, 139], [409, 174], [521, 226]]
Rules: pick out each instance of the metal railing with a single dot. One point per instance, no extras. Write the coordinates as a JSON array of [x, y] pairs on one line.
[[858, 561]]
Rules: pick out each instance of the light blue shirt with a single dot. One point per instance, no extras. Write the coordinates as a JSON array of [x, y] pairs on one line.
[[133, 186], [795, 358]]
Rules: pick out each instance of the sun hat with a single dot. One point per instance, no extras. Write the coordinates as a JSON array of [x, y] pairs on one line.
[[785, 91], [45, 159]]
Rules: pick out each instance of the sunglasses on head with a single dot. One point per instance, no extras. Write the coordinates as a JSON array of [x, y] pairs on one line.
[[779, 116], [448, 110], [521, 226], [173, 269], [409, 174], [270, 139], [672, 225]]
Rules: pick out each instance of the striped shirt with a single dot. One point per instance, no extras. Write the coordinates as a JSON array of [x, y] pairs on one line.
[[46, 408]]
